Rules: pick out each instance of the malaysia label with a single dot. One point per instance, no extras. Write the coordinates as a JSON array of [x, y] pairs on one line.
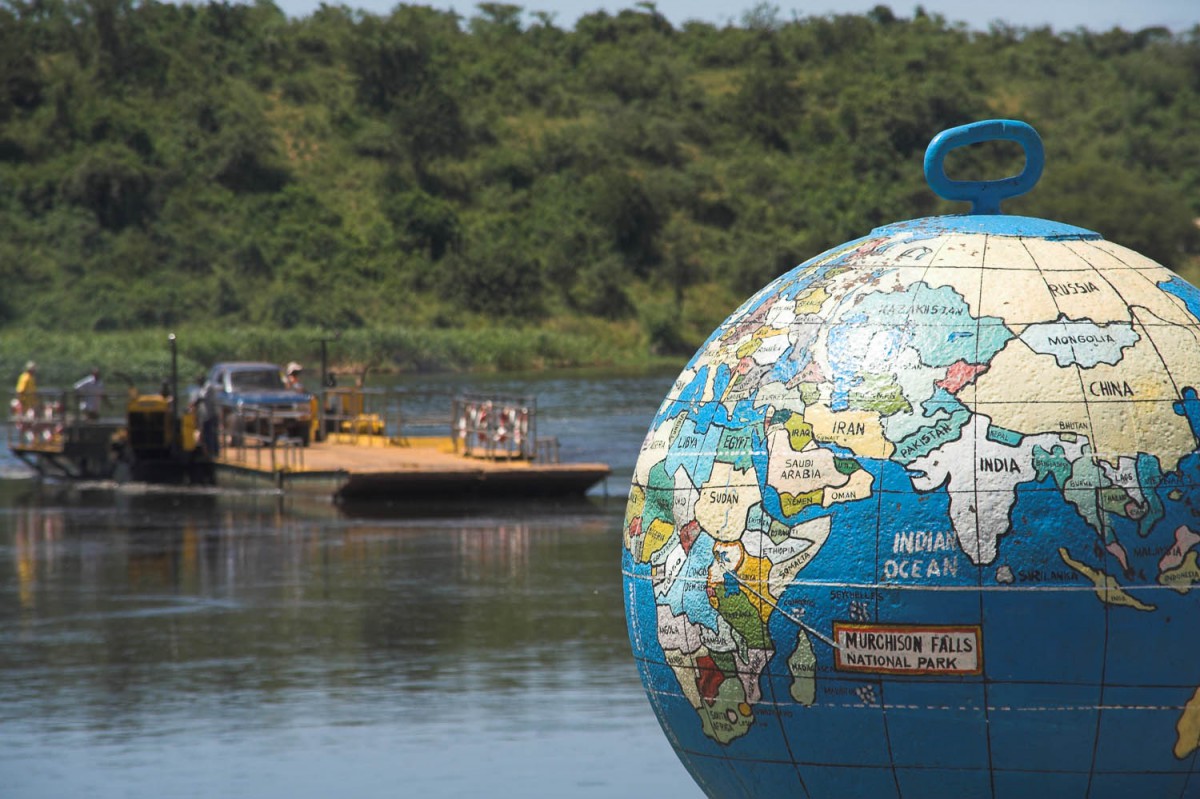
[[908, 648]]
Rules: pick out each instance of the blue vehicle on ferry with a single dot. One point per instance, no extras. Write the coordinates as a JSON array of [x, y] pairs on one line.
[[254, 397]]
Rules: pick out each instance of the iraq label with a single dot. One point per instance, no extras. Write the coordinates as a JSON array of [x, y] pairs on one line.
[[915, 649]]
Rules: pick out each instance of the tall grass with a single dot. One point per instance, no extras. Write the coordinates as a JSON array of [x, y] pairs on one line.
[[144, 356]]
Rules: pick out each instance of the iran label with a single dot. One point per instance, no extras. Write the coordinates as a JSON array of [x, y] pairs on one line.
[[908, 648]]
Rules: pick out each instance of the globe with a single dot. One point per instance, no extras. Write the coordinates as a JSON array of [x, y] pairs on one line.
[[920, 519]]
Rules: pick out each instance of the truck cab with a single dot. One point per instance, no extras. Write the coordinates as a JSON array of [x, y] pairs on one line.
[[253, 397]]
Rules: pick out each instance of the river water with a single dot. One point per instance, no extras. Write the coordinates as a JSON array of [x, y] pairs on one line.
[[219, 643]]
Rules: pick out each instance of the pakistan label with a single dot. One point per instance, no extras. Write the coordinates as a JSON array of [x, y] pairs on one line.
[[908, 649]]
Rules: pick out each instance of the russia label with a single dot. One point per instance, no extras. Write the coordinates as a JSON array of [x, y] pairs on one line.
[[908, 649]]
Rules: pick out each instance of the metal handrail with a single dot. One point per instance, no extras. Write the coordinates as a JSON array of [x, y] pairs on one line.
[[56, 411], [356, 415], [498, 426], [284, 453]]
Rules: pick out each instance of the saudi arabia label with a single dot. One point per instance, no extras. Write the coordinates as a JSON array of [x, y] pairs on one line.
[[908, 648]]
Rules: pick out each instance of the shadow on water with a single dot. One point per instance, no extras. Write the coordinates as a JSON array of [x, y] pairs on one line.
[[585, 506]]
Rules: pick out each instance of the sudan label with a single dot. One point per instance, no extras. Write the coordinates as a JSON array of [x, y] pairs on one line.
[[908, 649]]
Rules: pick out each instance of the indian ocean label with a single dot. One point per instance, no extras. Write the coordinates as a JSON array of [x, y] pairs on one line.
[[908, 648]]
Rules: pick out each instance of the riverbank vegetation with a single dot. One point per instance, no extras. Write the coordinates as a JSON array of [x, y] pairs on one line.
[[498, 191], [144, 356]]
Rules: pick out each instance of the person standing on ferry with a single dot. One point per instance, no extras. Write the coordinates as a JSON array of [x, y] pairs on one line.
[[27, 388], [293, 377], [90, 391]]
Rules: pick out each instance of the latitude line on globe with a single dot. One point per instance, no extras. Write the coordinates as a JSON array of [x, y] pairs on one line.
[[932, 588]]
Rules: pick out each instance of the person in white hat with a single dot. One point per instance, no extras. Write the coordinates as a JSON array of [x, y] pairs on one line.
[[293, 376]]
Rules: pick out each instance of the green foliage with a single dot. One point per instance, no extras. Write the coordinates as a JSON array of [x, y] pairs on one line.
[[599, 288], [1148, 218], [494, 274], [427, 183], [427, 223], [620, 205], [113, 183], [144, 356], [663, 327]]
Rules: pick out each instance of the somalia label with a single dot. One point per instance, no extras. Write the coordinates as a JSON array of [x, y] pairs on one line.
[[908, 648]]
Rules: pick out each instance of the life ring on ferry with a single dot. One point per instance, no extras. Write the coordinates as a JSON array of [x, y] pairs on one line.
[[508, 418], [481, 422]]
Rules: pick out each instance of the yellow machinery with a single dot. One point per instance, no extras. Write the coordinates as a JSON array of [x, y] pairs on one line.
[[152, 428], [157, 445]]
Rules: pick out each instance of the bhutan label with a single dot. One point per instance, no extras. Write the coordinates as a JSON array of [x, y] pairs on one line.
[[908, 648]]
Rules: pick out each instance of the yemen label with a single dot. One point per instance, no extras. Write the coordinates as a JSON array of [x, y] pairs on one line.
[[908, 648]]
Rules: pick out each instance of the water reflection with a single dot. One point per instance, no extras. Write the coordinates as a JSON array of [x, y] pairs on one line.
[[157, 643], [161, 625]]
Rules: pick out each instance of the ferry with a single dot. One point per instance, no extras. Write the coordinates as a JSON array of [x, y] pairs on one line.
[[361, 446], [365, 447]]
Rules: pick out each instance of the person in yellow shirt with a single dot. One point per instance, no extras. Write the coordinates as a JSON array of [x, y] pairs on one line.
[[27, 387]]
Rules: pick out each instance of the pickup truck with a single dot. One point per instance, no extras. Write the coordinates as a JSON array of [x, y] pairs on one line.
[[257, 392]]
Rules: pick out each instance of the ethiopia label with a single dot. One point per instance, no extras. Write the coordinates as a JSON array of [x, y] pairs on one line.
[[908, 648]]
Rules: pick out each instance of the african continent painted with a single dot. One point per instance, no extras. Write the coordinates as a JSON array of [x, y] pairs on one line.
[[922, 519]]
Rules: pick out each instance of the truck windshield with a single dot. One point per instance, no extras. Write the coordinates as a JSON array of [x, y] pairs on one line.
[[257, 380]]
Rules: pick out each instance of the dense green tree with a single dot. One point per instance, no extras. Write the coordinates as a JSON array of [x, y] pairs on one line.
[[221, 163]]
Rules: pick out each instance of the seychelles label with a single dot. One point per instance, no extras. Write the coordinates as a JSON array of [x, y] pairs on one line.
[[908, 648]]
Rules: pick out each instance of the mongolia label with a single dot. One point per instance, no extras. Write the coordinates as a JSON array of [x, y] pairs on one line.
[[908, 648]]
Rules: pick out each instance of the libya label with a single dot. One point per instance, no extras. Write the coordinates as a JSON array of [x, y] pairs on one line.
[[908, 648]]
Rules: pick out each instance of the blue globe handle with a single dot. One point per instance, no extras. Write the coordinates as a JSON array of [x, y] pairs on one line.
[[984, 195]]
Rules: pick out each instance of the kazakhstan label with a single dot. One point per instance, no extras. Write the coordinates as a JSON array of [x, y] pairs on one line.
[[908, 649]]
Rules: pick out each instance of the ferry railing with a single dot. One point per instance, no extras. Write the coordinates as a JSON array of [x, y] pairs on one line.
[[499, 426], [38, 425], [358, 415], [249, 430], [367, 416], [52, 419], [422, 413], [547, 450]]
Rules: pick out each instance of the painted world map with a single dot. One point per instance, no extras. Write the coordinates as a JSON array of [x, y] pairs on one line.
[[922, 518]]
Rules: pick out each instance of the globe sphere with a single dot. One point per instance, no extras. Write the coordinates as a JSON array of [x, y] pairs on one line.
[[920, 519]]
